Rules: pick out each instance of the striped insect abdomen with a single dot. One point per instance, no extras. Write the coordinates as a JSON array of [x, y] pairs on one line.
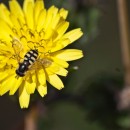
[[29, 59]]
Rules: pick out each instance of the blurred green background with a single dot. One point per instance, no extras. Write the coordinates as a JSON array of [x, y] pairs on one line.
[[89, 100]]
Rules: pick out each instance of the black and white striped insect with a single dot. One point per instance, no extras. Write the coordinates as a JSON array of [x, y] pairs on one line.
[[29, 59]]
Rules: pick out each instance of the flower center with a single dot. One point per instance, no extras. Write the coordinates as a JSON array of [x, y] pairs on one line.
[[30, 39], [24, 42]]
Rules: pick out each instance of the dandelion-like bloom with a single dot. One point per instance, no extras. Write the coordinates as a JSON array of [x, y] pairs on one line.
[[25, 32]]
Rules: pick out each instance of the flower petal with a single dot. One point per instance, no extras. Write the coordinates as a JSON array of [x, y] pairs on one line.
[[48, 17], [24, 97], [68, 54], [49, 32], [55, 20], [7, 84], [63, 13], [3, 75], [17, 84], [5, 31], [14, 20], [41, 19], [55, 81], [30, 87], [62, 72], [39, 5], [61, 29], [28, 10], [15, 8], [60, 44], [4, 14], [41, 77], [42, 89], [25, 4], [73, 35], [56, 69], [60, 62]]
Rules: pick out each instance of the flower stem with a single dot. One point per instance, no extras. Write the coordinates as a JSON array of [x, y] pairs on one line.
[[31, 118], [124, 37]]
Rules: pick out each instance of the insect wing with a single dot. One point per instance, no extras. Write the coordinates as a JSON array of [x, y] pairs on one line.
[[18, 48]]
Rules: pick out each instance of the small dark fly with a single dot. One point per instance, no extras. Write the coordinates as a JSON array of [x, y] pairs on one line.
[[29, 59]]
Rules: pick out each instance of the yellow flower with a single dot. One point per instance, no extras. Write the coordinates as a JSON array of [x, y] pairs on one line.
[[32, 39]]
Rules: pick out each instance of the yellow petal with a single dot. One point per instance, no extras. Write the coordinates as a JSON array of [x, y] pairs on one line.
[[55, 17], [5, 31], [48, 21], [61, 29], [14, 20], [55, 20], [49, 17], [41, 77], [4, 14], [24, 97], [2, 65], [42, 90], [73, 35], [39, 5], [60, 44], [15, 8], [55, 12], [55, 81], [31, 84], [62, 72], [4, 75], [17, 84], [5, 48], [63, 13], [28, 10], [68, 54], [30, 87], [52, 69], [41, 19], [34, 78], [17, 11], [25, 4], [3, 62], [55, 69], [60, 62], [7, 84], [48, 33]]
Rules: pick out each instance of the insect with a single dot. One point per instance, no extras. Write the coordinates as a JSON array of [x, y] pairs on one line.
[[29, 59]]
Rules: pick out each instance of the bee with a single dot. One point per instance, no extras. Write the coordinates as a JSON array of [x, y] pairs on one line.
[[29, 59]]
